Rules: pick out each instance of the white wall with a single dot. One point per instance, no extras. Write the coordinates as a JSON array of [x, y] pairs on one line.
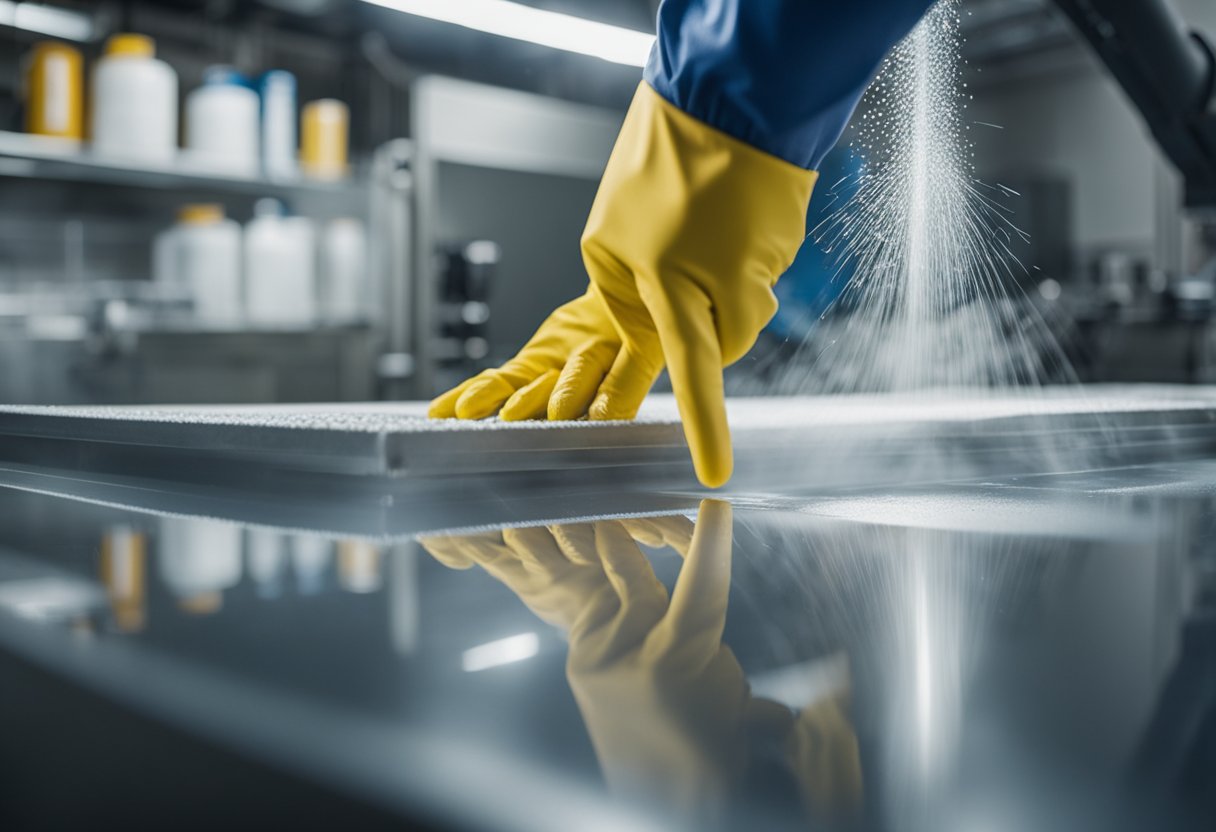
[[1080, 127], [1200, 14], [1077, 123]]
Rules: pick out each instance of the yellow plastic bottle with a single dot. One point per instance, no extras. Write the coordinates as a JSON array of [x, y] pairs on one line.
[[123, 571], [323, 139], [54, 85]]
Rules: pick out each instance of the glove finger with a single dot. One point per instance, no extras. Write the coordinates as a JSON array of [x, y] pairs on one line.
[[530, 401], [464, 551], [691, 632], [450, 555], [625, 387], [512, 574], [694, 362], [657, 532], [484, 396], [643, 596], [577, 542], [642, 599], [444, 406], [579, 380], [536, 549], [643, 531]]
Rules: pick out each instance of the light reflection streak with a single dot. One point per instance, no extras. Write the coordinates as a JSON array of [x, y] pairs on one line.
[[502, 651], [923, 672]]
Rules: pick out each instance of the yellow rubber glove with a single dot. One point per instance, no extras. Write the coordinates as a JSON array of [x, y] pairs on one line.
[[557, 571], [666, 704], [554, 571], [823, 754], [689, 231], [556, 374], [663, 699]]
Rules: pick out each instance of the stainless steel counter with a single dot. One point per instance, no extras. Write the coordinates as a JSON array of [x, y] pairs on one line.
[[353, 468], [1009, 650]]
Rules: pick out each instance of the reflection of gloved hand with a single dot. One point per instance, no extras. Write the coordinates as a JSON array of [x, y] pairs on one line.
[[557, 571], [689, 231], [555, 576], [555, 374], [666, 704], [822, 751], [663, 699]]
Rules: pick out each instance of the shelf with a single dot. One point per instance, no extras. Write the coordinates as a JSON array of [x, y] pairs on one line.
[[41, 157]]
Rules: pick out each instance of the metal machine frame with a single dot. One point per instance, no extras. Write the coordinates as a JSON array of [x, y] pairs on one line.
[[489, 127], [1169, 74]]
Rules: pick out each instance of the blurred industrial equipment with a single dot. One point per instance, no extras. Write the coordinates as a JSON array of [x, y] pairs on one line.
[[356, 279], [1093, 126], [437, 218], [464, 301], [102, 297]]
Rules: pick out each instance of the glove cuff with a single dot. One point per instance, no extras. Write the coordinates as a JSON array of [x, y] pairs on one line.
[[646, 97], [698, 195]]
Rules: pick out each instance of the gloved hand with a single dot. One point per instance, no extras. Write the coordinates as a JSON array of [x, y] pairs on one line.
[[822, 751], [552, 570], [555, 374], [661, 695], [663, 699], [556, 571], [666, 704], [688, 233]]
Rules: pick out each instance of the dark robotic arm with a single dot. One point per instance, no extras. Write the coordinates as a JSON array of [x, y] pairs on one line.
[[1169, 74]]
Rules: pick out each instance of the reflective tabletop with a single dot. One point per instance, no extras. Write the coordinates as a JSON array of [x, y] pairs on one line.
[[1025, 652]]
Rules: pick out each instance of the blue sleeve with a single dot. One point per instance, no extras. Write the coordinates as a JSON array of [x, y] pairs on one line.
[[782, 75]]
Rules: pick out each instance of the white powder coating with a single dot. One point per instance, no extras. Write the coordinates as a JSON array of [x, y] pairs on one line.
[[746, 414], [360, 417]]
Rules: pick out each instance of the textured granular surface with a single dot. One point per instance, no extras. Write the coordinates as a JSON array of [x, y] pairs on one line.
[[751, 413]]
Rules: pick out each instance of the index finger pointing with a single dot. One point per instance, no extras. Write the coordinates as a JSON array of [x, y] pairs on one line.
[[694, 362]]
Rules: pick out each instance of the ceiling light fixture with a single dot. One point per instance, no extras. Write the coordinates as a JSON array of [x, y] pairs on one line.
[[554, 29], [46, 20]]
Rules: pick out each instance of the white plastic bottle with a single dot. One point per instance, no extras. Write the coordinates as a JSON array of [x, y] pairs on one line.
[[280, 268], [134, 102], [222, 123], [278, 89], [311, 557], [344, 271], [199, 560], [266, 557], [207, 263]]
